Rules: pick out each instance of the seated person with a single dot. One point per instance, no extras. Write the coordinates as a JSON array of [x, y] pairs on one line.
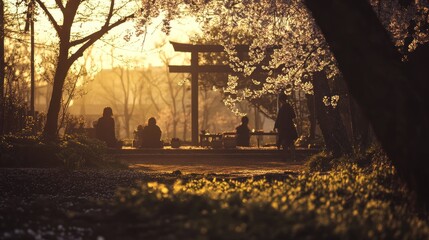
[[138, 135], [105, 128], [151, 135], [243, 133]]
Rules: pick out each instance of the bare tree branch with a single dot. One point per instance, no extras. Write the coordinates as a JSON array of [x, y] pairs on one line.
[[92, 38], [60, 5], [51, 18], [109, 16]]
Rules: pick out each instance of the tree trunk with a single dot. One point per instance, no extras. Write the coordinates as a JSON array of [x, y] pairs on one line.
[[185, 122], [360, 126], [2, 68], [329, 119], [51, 127], [312, 116], [393, 99], [175, 122], [127, 127]]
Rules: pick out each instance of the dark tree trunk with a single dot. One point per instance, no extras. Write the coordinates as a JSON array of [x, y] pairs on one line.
[[2, 67], [329, 119], [51, 127], [357, 125], [360, 126], [393, 99], [312, 116]]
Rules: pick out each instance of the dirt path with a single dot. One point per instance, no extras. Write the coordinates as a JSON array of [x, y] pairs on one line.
[[236, 167]]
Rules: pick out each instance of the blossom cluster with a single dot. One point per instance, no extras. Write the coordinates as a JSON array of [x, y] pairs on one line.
[[284, 41]]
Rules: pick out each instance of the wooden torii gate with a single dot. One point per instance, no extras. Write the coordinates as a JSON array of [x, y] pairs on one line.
[[194, 69]]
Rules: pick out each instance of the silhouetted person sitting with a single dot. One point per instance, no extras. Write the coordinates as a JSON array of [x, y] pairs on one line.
[[105, 128], [151, 135], [138, 135], [284, 124], [243, 133]]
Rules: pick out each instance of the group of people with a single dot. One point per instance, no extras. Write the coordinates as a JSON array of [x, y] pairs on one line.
[[150, 135]]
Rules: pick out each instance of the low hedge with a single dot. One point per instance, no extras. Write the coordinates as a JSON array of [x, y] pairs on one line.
[[72, 151]]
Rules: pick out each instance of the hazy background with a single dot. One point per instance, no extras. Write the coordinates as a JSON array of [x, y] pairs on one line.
[[130, 74]]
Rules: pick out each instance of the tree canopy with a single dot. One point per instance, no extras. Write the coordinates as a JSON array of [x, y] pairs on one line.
[[289, 24]]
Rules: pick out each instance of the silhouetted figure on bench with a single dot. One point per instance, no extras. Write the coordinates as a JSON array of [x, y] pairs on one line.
[[151, 135], [138, 135], [105, 128], [243, 133], [284, 124]]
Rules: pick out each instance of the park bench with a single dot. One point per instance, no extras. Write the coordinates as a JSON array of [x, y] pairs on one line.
[[227, 139]]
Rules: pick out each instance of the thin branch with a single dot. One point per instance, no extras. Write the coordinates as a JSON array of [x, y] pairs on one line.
[[160, 94], [153, 100], [106, 25], [51, 18], [91, 39], [109, 16], [60, 5]]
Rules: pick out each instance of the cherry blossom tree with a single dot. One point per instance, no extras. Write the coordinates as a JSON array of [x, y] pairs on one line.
[[283, 41], [304, 51]]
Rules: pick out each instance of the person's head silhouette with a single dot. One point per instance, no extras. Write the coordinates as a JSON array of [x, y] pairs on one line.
[[245, 120], [107, 112], [151, 121]]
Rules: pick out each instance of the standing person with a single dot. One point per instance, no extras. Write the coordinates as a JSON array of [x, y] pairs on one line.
[[151, 135], [105, 128], [243, 133], [285, 127]]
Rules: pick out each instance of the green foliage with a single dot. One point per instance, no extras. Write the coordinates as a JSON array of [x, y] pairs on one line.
[[73, 151], [323, 161], [347, 203], [319, 162], [74, 124], [27, 151], [81, 151]]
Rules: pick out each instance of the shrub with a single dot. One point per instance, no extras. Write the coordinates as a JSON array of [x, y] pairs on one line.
[[81, 151], [319, 162], [347, 203], [27, 151], [323, 161], [73, 151]]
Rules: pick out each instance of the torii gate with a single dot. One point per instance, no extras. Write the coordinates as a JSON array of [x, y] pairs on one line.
[[195, 69]]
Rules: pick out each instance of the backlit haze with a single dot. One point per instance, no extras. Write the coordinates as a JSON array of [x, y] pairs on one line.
[[143, 49], [145, 87]]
